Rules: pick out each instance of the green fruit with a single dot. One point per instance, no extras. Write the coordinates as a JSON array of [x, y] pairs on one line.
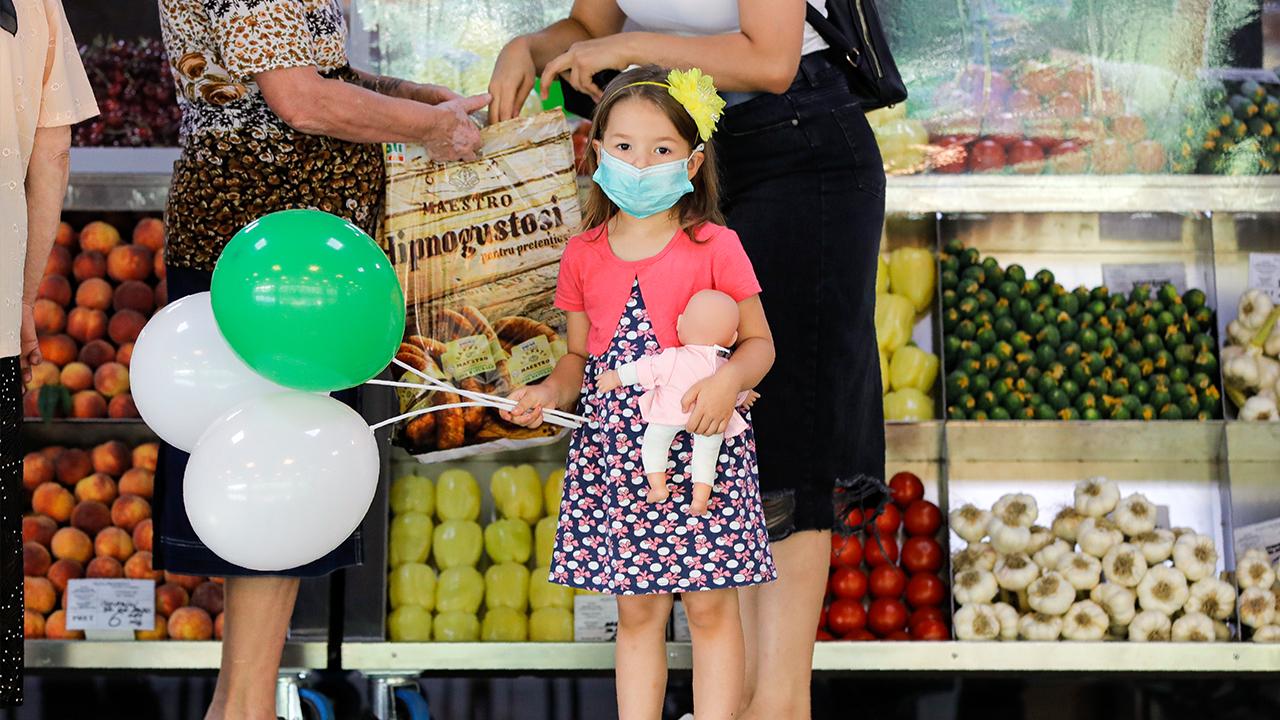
[[1259, 127], [1069, 303], [1146, 413], [1046, 384], [1003, 351], [1002, 387], [990, 365], [1178, 311], [1068, 414], [1057, 370], [969, 257], [968, 287], [1009, 368], [1049, 335], [1164, 361], [955, 413], [1097, 386], [1242, 107], [1203, 316], [949, 299], [1159, 398], [1207, 363], [1200, 382], [1165, 319], [966, 330], [953, 247], [1160, 381], [969, 350], [951, 349], [1080, 373], [1096, 308], [1045, 412], [1180, 374], [1005, 328], [1253, 90], [1139, 293], [1194, 299], [1071, 388], [984, 318], [1088, 339], [1108, 348], [968, 307], [1170, 412], [1095, 362], [1024, 360], [1110, 374], [1147, 366], [1032, 375], [1147, 324], [971, 367], [1030, 289], [985, 337], [1000, 309], [974, 273], [1045, 355], [1141, 389], [1131, 372], [1086, 400], [1269, 108], [948, 280], [978, 415], [1015, 273], [1057, 399], [1121, 386], [1173, 338], [1168, 294], [979, 384], [1133, 349], [1132, 403], [957, 383], [1180, 391], [950, 319], [986, 400], [1086, 319], [1043, 304], [1025, 413], [1034, 323], [1035, 399], [1201, 342], [999, 413], [1151, 344], [1119, 412], [1116, 317], [1070, 352], [1045, 278], [1068, 329], [966, 403], [1237, 131], [1020, 340], [986, 299], [1019, 308]]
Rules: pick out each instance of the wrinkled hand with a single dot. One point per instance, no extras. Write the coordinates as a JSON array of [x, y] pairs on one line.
[[433, 94], [583, 60], [456, 135], [710, 403], [608, 381], [29, 345], [512, 80], [531, 401]]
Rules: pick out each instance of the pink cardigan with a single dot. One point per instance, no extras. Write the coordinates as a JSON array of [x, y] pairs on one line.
[[595, 281], [668, 376]]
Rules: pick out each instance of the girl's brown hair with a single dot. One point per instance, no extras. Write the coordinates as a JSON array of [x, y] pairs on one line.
[[694, 209]]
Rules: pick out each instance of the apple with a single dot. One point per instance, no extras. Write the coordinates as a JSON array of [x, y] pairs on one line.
[[986, 156], [1026, 158]]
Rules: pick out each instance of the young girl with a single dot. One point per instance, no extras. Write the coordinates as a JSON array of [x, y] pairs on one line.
[[653, 243]]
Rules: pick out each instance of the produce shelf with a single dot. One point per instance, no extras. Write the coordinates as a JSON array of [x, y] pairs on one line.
[[119, 179], [85, 433], [162, 655], [1077, 440], [1021, 657]]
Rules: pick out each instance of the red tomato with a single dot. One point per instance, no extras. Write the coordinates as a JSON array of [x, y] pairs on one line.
[[921, 555], [855, 518], [823, 635], [905, 488], [888, 581], [930, 630], [845, 551], [886, 616], [897, 635], [926, 614], [860, 635], [849, 583], [845, 616], [888, 521], [924, 590], [922, 518], [873, 555]]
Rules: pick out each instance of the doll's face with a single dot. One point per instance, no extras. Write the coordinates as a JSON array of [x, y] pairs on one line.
[[710, 318]]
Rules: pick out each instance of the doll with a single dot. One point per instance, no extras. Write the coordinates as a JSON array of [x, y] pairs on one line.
[[706, 328]]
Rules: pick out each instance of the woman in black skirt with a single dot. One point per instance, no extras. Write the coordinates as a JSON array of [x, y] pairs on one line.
[[804, 188]]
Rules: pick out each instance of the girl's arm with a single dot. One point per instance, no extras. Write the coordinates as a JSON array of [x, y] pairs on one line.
[[561, 388], [711, 402]]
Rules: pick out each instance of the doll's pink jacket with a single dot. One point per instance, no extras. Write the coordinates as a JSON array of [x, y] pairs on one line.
[[668, 375]]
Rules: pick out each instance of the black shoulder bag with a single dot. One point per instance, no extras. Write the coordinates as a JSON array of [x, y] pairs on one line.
[[8, 17], [852, 28]]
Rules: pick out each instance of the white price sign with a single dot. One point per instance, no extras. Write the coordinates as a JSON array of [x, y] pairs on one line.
[[111, 604], [1263, 536], [1122, 278], [595, 618], [1264, 273]]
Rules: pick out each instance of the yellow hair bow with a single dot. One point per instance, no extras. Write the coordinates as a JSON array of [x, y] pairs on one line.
[[696, 92]]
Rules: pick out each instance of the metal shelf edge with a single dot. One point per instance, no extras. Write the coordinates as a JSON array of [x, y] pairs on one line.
[[163, 655]]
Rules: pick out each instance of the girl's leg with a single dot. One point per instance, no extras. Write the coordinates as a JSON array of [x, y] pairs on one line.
[[718, 654], [655, 449], [706, 452], [641, 655]]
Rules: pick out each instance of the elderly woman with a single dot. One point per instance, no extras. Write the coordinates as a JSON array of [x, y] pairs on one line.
[[273, 118]]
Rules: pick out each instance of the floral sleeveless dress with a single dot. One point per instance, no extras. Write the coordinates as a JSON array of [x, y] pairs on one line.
[[610, 540]]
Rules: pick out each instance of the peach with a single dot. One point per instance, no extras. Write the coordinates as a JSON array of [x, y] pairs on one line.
[[99, 236], [73, 464], [98, 488], [125, 354], [146, 455], [162, 293], [58, 349], [129, 262], [139, 568], [52, 451], [208, 597], [35, 559], [97, 353], [113, 542], [50, 318], [31, 403], [55, 288], [89, 265], [91, 516], [36, 470], [59, 261], [218, 580], [106, 568], [32, 625], [137, 481], [63, 571], [77, 377], [125, 326], [44, 374], [218, 625], [38, 594], [136, 296], [190, 623], [72, 544], [186, 582], [66, 236], [129, 510], [142, 536], [111, 379], [158, 264], [53, 500], [170, 598], [88, 405], [122, 407], [149, 233], [112, 457], [85, 325], [161, 631], [55, 628], [94, 294], [38, 529]]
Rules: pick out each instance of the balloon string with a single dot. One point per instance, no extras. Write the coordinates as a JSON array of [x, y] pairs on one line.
[[493, 400], [424, 411]]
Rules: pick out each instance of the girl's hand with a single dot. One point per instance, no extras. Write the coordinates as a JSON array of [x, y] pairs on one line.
[[608, 381], [710, 403], [583, 60], [531, 400], [512, 80]]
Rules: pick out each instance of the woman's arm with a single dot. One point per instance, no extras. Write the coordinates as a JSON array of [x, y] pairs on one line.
[[711, 401], [46, 185], [561, 388], [399, 88]]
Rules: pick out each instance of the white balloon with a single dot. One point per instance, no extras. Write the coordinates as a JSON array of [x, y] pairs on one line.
[[183, 374], [282, 480]]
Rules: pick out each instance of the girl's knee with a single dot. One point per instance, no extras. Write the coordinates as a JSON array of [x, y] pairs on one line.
[[711, 609], [641, 612]]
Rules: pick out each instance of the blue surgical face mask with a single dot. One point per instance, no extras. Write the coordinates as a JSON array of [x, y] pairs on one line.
[[641, 192]]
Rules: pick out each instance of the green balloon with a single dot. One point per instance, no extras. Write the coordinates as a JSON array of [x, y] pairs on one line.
[[308, 300]]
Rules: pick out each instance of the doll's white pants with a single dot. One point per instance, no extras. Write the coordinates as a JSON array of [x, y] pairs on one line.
[[656, 447]]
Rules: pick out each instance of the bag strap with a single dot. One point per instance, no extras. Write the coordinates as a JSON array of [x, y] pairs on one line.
[[8, 17], [828, 31]]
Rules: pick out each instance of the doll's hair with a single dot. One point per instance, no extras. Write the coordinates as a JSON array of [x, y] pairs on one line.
[[694, 209]]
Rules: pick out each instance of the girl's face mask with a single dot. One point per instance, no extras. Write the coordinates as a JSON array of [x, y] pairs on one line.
[[641, 192]]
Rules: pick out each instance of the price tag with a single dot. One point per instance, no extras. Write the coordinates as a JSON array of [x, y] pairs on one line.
[[531, 360], [680, 624], [1264, 273], [595, 618], [1125, 277], [469, 356], [111, 604], [1264, 536]]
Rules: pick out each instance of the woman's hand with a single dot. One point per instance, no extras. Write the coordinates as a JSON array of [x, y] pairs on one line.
[[455, 136], [432, 94], [512, 80], [29, 352], [710, 403], [531, 400], [584, 59]]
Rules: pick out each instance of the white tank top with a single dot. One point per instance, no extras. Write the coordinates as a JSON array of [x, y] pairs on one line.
[[702, 17]]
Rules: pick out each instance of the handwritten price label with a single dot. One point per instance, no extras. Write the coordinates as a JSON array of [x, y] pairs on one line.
[[1127, 276], [111, 604], [1264, 273]]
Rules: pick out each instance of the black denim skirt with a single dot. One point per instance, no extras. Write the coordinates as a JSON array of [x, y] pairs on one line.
[[804, 189]]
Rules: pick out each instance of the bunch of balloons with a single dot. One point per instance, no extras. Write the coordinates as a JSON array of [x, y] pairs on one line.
[[302, 303]]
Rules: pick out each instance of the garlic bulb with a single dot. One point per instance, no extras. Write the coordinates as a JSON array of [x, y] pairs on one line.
[[1067, 523], [1221, 632], [977, 622], [978, 556], [1016, 571], [1268, 373], [1040, 536], [1258, 553], [1240, 334], [1085, 621], [975, 587], [970, 522], [1196, 556], [1135, 515], [1051, 594], [1255, 305], [1253, 571], [1096, 497], [1049, 555], [1017, 510], [1150, 626], [1213, 597], [1008, 538], [1193, 627], [1163, 589], [1180, 531], [1260, 408], [1117, 600], [1098, 535], [1243, 371], [1156, 546], [1267, 634], [1124, 565], [1257, 607], [1039, 626], [1008, 620], [1082, 571]]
